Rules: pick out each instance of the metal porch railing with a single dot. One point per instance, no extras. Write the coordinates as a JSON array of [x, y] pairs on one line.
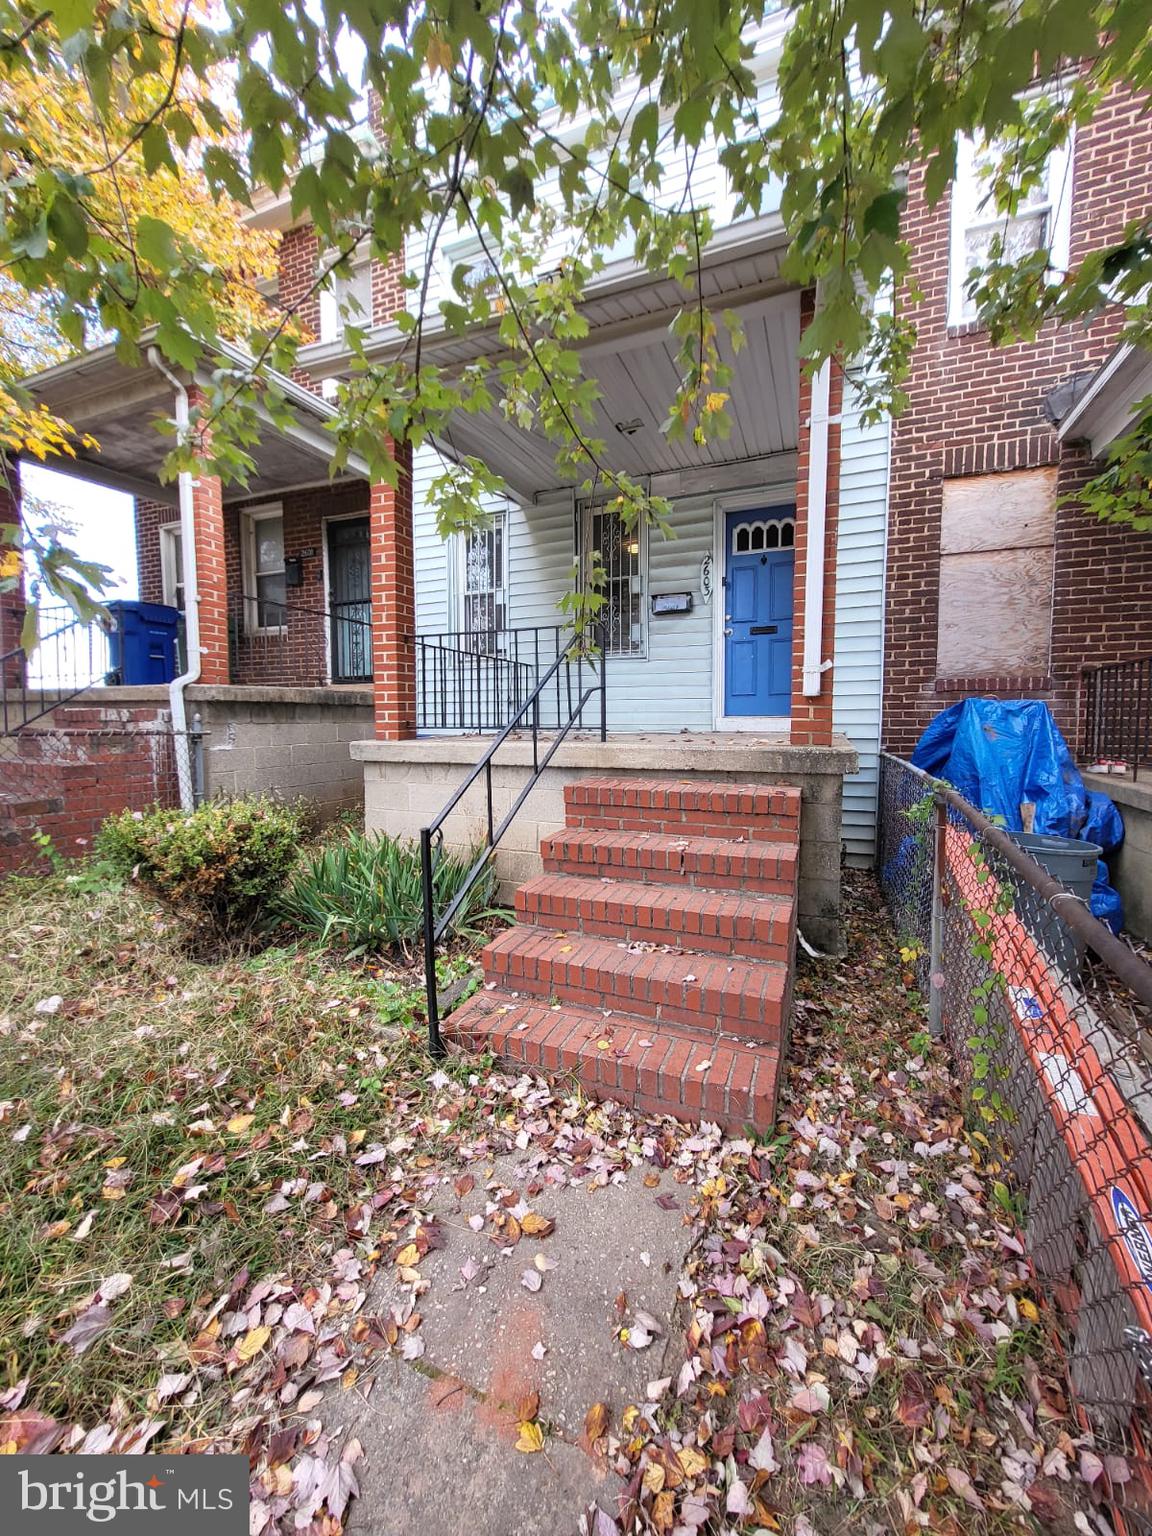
[[571, 681], [71, 656], [474, 681], [1117, 704]]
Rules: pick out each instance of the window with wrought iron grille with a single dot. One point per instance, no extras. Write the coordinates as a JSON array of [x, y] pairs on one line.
[[622, 553], [483, 577]]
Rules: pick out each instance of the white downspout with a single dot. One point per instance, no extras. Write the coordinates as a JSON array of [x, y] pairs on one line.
[[191, 598], [816, 541]]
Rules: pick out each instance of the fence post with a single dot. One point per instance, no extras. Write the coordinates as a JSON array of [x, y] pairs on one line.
[[196, 758], [435, 1042], [936, 935]]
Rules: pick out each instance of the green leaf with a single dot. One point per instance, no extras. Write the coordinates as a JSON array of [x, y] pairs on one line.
[[156, 243]]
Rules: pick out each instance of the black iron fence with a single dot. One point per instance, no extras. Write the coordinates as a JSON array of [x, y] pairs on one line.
[[1048, 1017], [570, 682], [477, 680], [1117, 704], [283, 642], [72, 655]]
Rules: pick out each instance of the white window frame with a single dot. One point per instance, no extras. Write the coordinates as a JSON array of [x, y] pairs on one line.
[[461, 593], [966, 215], [466, 252], [171, 565], [334, 294], [640, 534], [249, 517]]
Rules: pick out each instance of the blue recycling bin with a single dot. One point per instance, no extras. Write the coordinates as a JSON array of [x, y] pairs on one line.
[[143, 642]]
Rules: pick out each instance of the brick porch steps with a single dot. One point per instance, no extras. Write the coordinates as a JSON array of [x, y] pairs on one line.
[[664, 1069], [743, 996], [708, 863], [714, 922], [766, 812], [653, 958]]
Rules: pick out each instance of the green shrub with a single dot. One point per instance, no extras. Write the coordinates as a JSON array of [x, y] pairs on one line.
[[220, 865], [364, 894]]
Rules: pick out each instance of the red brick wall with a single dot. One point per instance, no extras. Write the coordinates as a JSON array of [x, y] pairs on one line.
[[976, 409], [393, 605], [150, 516], [83, 763], [299, 258], [299, 657]]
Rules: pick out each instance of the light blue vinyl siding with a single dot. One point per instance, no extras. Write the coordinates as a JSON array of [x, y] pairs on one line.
[[860, 566]]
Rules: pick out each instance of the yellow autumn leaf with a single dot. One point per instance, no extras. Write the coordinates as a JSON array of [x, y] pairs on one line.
[[531, 1437], [240, 1123], [115, 1162], [253, 1342], [715, 402], [438, 54], [536, 1226], [1029, 1309], [653, 1477], [408, 1256], [692, 1463]]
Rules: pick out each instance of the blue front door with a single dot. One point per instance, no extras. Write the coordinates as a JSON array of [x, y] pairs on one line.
[[759, 557]]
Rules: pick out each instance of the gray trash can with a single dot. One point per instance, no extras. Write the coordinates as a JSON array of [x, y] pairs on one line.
[[1073, 863]]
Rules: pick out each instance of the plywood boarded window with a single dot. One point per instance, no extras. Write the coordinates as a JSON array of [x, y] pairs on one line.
[[996, 540]]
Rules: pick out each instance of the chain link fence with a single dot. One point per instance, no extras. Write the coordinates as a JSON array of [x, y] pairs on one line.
[[1048, 1017]]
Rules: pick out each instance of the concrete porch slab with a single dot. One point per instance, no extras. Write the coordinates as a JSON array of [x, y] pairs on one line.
[[408, 783], [439, 1433]]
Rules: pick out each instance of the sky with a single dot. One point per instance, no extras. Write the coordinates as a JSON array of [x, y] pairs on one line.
[[103, 521]]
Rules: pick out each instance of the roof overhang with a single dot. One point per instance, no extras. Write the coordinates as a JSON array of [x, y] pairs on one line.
[[637, 373], [740, 264], [1107, 408], [124, 406]]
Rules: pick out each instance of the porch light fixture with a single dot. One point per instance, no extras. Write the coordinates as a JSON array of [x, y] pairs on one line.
[[628, 428]]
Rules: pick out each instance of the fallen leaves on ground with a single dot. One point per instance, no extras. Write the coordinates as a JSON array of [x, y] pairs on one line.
[[249, 1143]]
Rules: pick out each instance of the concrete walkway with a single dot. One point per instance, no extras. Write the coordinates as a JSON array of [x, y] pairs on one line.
[[439, 1433]]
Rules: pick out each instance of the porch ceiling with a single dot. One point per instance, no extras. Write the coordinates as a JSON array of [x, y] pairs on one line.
[[122, 405], [638, 375]]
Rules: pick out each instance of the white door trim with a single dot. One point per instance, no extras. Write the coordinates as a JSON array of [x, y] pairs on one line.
[[778, 495]]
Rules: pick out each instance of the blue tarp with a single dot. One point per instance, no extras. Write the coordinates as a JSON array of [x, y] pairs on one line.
[[1004, 753]]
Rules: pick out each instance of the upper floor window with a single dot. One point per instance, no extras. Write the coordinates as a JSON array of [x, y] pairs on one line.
[[1041, 222], [470, 255], [346, 299]]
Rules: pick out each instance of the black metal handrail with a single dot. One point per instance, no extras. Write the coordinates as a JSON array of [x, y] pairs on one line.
[[71, 656], [576, 657], [1118, 713], [301, 642]]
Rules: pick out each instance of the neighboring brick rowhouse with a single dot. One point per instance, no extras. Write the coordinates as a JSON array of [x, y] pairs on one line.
[[393, 604], [975, 409], [77, 766], [300, 656], [812, 717]]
